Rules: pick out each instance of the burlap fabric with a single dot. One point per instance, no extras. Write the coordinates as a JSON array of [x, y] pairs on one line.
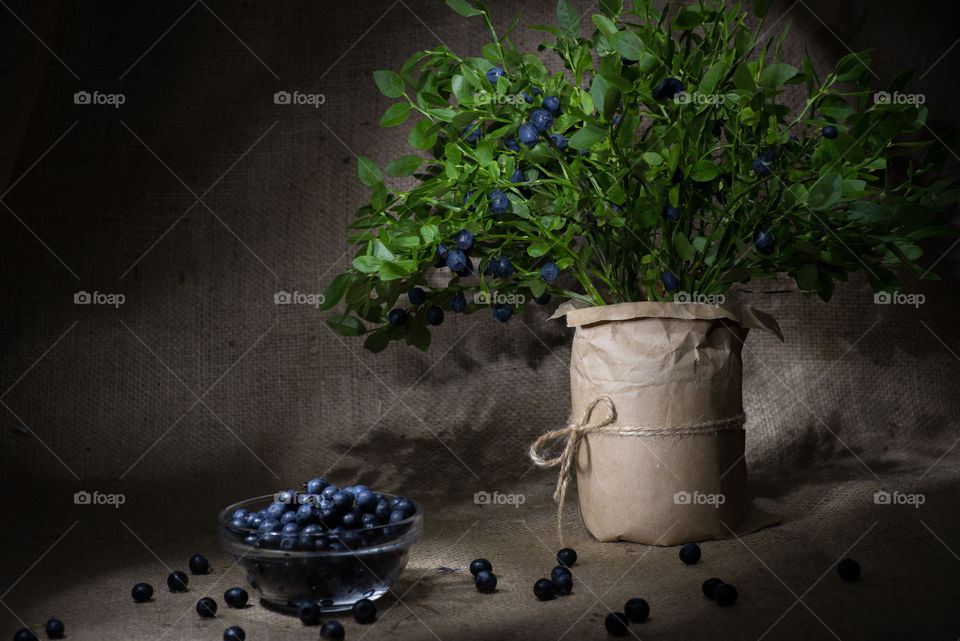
[[861, 397]]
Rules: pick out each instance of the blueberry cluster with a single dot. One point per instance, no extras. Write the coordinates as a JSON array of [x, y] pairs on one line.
[[324, 517], [483, 577], [560, 582], [53, 627], [722, 593], [634, 611], [364, 611]]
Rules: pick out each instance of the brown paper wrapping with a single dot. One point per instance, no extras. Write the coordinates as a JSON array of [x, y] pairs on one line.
[[669, 366]]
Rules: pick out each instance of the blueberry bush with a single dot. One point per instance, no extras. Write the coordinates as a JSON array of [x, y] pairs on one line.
[[658, 161]]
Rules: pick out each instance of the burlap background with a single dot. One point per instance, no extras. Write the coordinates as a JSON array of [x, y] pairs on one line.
[[860, 397]]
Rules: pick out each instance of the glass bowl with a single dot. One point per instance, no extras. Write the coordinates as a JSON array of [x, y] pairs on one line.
[[333, 568]]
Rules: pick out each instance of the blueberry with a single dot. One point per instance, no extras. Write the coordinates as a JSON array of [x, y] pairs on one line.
[[671, 213], [352, 519], [382, 511], [667, 89], [236, 597], [517, 176], [558, 571], [287, 497], [467, 197], [670, 281], [276, 510], [480, 565], [559, 140], [467, 268], [397, 317], [207, 608], [406, 506], [637, 610], [761, 168], [534, 92], [142, 592], [177, 581], [309, 613], [511, 143], [541, 119], [54, 628], [498, 202], [269, 540], [342, 502], [616, 624], [289, 517], [291, 528], [485, 581], [364, 611], [545, 589], [709, 586], [829, 132], [542, 299], [199, 564], [369, 520], [396, 516], [769, 156], [251, 539], [567, 557], [616, 119], [690, 553], [367, 500], [464, 240], [416, 296], [627, 61], [764, 241], [502, 312], [240, 514], [329, 491], [269, 525], [23, 634], [254, 521], [550, 272], [563, 583], [456, 260], [493, 73], [458, 303], [725, 595], [503, 267], [234, 633], [332, 630], [528, 134], [551, 104], [471, 134], [849, 570]]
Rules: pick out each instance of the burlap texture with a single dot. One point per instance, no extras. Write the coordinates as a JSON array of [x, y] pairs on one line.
[[860, 396]]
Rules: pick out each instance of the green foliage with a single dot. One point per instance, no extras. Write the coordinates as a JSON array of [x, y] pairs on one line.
[[595, 208]]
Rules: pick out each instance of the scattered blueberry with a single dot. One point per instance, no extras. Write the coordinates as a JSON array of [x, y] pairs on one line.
[[498, 202], [234, 633], [511, 143], [54, 628], [849, 570], [709, 586], [616, 624], [364, 611], [690, 553], [493, 73], [667, 89], [416, 295], [725, 595], [502, 312], [542, 299], [567, 557], [761, 168], [480, 565], [550, 272], [541, 119], [551, 104], [671, 213], [236, 597], [23, 634], [177, 581], [559, 140], [563, 583], [559, 570], [332, 630], [670, 281], [464, 239], [829, 132], [528, 134], [309, 613], [534, 92], [637, 610], [503, 267], [199, 564], [458, 303], [485, 581], [142, 592], [545, 589], [764, 241], [207, 608]]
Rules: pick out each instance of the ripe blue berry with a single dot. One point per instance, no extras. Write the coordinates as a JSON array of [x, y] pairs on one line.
[[458, 303], [616, 624], [503, 267], [557, 571], [545, 589], [464, 239], [528, 134], [637, 610], [541, 119], [177, 581], [690, 553], [761, 168], [332, 630], [309, 613], [342, 502], [709, 586], [627, 61], [511, 143], [498, 202], [829, 132], [485, 581], [199, 564], [23, 634], [207, 608], [480, 565], [471, 134], [315, 486], [551, 104], [670, 281], [559, 140], [142, 592], [725, 595], [671, 213], [563, 583], [769, 156], [54, 628], [534, 92], [364, 611], [667, 89], [517, 176], [542, 299], [550, 272], [236, 597], [434, 316], [493, 73], [234, 633], [764, 241], [456, 260], [397, 317], [567, 557], [329, 491], [849, 570], [367, 500], [416, 296], [502, 312]]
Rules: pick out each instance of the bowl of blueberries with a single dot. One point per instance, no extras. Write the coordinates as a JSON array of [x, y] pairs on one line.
[[323, 544]]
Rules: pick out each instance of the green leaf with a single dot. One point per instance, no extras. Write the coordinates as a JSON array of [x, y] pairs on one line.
[[395, 114], [392, 271], [484, 153], [568, 19], [423, 135], [652, 158], [807, 277], [760, 7], [704, 171], [605, 25], [742, 78], [537, 250], [377, 342], [334, 291], [346, 325], [687, 18], [627, 44], [775, 75], [683, 246], [710, 80], [367, 264], [390, 83], [368, 171], [835, 107], [825, 192], [403, 166], [587, 137], [463, 8]]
